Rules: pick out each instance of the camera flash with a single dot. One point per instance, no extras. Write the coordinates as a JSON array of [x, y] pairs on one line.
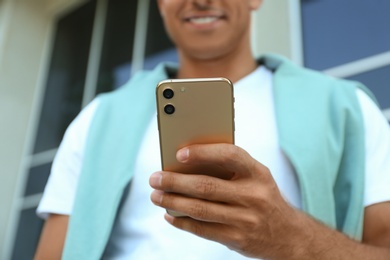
[[182, 89]]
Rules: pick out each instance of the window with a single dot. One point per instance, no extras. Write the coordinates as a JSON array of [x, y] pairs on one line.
[[92, 53], [337, 32]]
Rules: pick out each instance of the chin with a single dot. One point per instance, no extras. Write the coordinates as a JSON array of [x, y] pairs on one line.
[[206, 52]]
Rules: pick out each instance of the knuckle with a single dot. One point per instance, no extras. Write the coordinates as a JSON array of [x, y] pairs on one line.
[[206, 186], [249, 222], [198, 211], [249, 195], [266, 173], [166, 200], [198, 230], [242, 243], [237, 241], [232, 152], [168, 181]]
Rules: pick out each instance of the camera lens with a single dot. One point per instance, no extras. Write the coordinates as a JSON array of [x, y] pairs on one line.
[[168, 93], [169, 109]]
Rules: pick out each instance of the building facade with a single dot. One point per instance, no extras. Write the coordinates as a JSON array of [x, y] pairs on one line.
[[56, 56]]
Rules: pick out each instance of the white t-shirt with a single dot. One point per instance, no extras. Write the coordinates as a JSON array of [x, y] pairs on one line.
[[144, 234]]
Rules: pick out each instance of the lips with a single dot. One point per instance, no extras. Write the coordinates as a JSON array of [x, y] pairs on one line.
[[204, 18]]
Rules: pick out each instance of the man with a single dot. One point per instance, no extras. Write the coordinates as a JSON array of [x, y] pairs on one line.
[[308, 145]]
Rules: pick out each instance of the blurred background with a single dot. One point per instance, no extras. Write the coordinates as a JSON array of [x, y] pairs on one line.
[[56, 55]]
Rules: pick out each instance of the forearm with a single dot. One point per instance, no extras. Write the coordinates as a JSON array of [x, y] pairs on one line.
[[52, 238], [317, 241], [249, 215]]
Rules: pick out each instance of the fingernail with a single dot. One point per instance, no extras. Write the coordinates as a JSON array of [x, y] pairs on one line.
[[182, 154], [155, 180], [156, 197]]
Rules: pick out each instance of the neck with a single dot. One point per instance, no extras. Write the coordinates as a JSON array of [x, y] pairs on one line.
[[233, 66]]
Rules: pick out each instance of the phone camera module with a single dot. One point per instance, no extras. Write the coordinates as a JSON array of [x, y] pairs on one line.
[[169, 109], [168, 93]]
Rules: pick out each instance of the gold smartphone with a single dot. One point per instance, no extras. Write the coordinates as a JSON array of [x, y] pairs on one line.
[[194, 111]]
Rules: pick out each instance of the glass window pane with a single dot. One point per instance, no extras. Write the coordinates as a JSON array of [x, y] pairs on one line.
[[65, 83], [378, 81], [37, 178], [117, 44], [337, 32], [27, 236]]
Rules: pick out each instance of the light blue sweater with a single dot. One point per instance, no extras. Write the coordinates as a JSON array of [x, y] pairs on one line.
[[320, 129]]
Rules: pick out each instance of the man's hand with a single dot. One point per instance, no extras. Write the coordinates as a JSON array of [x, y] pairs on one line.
[[246, 213]]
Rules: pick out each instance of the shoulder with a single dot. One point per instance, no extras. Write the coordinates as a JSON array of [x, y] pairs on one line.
[[291, 77], [138, 83], [117, 108]]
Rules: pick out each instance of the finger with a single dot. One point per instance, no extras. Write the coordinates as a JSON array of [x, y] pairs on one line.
[[201, 210], [230, 157], [197, 186]]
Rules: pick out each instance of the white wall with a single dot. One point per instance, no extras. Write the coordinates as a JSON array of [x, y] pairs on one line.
[[25, 38], [26, 29], [24, 32], [276, 27]]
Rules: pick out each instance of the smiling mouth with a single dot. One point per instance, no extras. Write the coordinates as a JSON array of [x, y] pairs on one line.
[[203, 20]]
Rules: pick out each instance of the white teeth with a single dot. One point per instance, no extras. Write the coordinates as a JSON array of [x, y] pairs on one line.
[[203, 20]]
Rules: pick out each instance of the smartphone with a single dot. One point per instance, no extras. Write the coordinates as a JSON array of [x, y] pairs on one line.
[[194, 111]]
